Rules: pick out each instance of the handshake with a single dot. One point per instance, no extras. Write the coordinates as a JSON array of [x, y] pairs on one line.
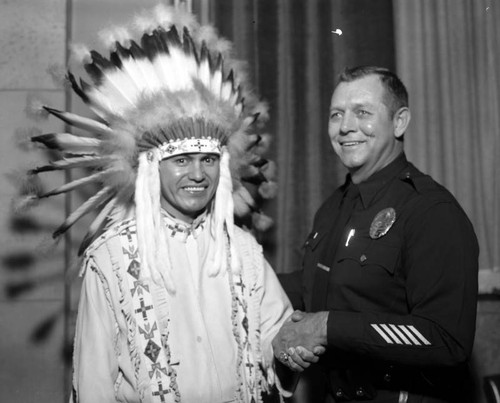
[[301, 340]]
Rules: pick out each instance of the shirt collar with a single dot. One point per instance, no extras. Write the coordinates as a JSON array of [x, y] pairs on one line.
[[371, 186], [181, 230]]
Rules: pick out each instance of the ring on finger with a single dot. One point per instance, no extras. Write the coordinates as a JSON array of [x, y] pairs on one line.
[[283, 357]]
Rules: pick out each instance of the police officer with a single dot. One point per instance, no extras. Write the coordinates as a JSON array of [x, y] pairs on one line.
[[389, 279]]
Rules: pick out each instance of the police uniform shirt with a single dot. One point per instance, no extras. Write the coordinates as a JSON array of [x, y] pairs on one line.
[[406, 293]]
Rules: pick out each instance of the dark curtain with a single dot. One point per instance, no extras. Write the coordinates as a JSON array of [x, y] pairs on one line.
[[294, 57]]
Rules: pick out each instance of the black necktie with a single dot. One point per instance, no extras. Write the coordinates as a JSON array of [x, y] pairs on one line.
[[329, 249]]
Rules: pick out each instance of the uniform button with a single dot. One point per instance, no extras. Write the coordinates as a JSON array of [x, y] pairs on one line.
[[198, 339], [360, 392], [362, 258], [387, 377], [339, 393]]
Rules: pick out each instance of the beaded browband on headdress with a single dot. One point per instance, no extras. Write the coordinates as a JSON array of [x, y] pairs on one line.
[[174, 89]]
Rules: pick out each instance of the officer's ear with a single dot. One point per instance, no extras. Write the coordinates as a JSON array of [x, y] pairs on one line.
[[401, 120]]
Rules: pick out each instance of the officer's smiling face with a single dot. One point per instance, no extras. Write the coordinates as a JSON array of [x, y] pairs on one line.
[[188, 184], [363, 132]]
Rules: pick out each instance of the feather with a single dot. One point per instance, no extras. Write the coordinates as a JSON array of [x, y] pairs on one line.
[[252, 175], [96, 225], [268, 189], [119, 88], [22, 137], [205, 69], [94, 178], [35, 108], [134, 76], [150, 46], [136, 51], [30, 185], [94, 72], [216, 85], [43, 330], [243, 202], [146, 75], [68, 143], [79, 90], [18, 261], [159, 36], [80, 54], [91, 204], [163, 39], [102, 106], [188, 45], [269, 170], [117, 34], [172, 38], [85, 161], [261, 222], [13, 290], [100, 61], [175, 70], [81, 122], [58, 74], [227, 88], [24, 203]]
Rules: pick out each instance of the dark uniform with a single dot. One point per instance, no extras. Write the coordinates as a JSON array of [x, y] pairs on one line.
[[402, 296]]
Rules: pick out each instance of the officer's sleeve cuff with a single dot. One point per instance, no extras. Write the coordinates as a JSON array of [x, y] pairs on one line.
[[343, 328]]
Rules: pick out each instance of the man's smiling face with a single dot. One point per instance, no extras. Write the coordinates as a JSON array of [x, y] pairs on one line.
[[188, 184], [361, 127]]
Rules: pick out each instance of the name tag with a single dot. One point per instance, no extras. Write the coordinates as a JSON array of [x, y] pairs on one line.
[[323, 267]]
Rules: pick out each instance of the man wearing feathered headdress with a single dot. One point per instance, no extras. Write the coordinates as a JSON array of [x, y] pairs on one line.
[[178, 303]]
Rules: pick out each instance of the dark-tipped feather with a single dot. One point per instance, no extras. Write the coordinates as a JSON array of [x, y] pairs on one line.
[[94, 178], [188, 45], [71, 163], [81, 122], [79, 91], [150, 46], [92, 203], [96, 225], [100, 61], [136, 51], [205, 55], [172, 37], [68, 142]]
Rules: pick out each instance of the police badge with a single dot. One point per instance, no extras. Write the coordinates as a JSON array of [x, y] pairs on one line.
[[382, 222]]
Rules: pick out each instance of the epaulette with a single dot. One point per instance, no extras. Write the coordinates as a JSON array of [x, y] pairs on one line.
[[420, 182]]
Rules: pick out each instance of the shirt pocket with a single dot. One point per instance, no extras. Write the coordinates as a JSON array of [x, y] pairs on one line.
[[372, 255]]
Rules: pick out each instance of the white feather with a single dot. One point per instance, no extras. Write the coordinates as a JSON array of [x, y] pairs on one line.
[[216, 84], [227, 90], [204, 73], [122, 86]]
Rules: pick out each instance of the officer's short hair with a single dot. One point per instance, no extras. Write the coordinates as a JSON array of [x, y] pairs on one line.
[[396, 93]]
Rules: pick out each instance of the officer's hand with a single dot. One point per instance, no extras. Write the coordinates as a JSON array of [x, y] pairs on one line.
[[301, 339]]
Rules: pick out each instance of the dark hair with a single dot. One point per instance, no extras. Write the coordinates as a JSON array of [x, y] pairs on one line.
[[396, 93]]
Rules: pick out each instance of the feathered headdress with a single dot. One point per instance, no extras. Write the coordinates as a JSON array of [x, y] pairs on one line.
[[169, 86]]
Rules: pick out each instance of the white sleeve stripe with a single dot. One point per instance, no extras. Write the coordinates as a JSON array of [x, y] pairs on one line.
[[381, 333], [409, 334], [400, 334], [390, 333], [419, 335]]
